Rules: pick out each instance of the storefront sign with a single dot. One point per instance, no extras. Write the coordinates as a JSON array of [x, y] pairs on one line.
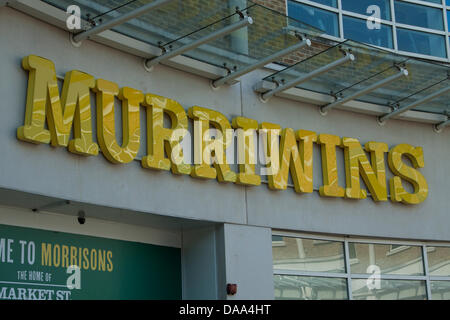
[[47, 265], [284, 151]]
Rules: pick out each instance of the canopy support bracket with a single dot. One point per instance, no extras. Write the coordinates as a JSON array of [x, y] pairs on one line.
[[295, 82], [149, 63], [440, 126], [229, 79], [381, 83], [77, 38], [382, 119]]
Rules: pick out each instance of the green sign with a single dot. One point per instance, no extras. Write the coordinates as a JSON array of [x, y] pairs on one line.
[[48, 265]]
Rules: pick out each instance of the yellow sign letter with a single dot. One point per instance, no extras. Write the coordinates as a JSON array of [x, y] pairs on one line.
[[43, 95], [131, 98], [246, 129], [298, 163], [402, 171], [356, 164], [331, 186], [160, 138], [204, 146]]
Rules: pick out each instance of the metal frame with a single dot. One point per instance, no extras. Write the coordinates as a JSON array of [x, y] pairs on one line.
[[295, 82], [382, 119], [426, 277], [77, 38], [426, 271], [229, 79], [243, 22], [402, 73], [440, 126], [393, 24], [347, 269]]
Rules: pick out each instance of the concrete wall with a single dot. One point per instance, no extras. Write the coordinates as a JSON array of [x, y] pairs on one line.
[[200, 270], [248, 252], [41, 169], [215, 256]]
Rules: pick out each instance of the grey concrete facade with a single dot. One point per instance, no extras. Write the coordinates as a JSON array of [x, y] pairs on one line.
[[235, 245]]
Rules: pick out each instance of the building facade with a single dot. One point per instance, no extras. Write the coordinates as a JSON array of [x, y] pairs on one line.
[[166, 149]]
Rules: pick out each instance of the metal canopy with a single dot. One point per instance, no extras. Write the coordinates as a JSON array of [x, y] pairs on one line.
[[261, 63], [180, 22], [303, 78], [372, 77], [221, 33], [245, 21], [119, 20], [340, 101], [414, 104], [369, 66]]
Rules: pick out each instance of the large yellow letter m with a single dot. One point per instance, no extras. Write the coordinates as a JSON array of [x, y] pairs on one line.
[[44, 103]]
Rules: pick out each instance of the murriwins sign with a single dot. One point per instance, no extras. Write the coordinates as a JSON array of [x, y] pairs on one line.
[[282, 151]]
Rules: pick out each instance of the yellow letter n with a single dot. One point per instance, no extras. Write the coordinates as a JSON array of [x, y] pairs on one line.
[[357, 164]]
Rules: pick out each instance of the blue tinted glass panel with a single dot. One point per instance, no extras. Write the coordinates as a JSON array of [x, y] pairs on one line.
[[331, 3], [322, 19], [417, 15], [364, 7], [448, 17], [356, 29], [421, 42]]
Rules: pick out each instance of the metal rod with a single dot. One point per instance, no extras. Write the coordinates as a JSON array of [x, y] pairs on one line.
[[51, 205], [348, 57], [426, 271], [381, 83], [438, 127], [229, 78], [119, 20], [214, 35], [436, 94]]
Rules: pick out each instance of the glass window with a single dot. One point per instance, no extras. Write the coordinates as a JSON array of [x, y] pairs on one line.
[[330, 3], [440, 290], [448, 18], [389, 290], [407, 261], [417, 15], [363, 7], [277, 238], [309, 255], [314, 269], [356, 29], [421, 42], [322, 19], [310, 288], [439, 261]]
